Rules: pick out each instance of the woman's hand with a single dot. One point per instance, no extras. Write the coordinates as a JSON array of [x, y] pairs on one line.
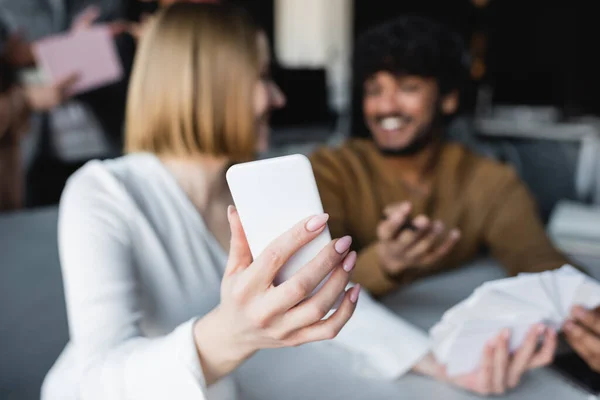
[[499, 370], [254, 314]]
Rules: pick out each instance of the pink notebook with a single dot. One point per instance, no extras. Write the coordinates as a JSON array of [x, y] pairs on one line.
[[90, 53]]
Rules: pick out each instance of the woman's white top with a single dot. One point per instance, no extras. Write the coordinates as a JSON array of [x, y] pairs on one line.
[[139, 267]]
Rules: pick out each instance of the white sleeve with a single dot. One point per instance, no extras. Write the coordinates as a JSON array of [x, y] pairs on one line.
[[388, 344], [116, 361]]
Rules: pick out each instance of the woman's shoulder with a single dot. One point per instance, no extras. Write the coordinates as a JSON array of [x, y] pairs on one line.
[[103, 183], [104, 174]]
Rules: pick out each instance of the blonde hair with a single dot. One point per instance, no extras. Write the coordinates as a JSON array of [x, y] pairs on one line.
[[192, 84]]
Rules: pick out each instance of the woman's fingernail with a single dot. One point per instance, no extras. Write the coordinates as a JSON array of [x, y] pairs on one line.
[[343, 244], [317, 222], [350, 261], [355, 293], [505, 334], [230, 210]]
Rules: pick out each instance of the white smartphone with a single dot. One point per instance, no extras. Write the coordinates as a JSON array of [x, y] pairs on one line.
[[271, 196]]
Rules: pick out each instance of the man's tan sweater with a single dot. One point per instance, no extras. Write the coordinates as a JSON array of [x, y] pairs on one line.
[[486, 200]]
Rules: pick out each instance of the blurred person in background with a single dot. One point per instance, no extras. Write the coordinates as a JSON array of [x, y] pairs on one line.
[[17, 102], [582, 331], [157, 308], [419, 203], [59, 139], [416, 204]]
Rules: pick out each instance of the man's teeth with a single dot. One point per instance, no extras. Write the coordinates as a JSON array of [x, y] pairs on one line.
[[392, 123]]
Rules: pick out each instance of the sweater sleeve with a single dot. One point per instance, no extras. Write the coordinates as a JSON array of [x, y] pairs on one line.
[[116, 360], [514, 232]]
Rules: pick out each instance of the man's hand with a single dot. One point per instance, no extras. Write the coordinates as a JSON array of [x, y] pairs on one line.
[[419, 246], [583, 334]]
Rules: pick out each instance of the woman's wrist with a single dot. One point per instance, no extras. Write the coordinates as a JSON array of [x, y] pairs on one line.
[[427, 366], [219, 352]]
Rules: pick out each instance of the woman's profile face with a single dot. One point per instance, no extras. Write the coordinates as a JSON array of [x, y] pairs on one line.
[[267, 95]]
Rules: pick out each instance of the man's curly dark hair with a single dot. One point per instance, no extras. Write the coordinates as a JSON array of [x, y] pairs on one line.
[[412, 45]]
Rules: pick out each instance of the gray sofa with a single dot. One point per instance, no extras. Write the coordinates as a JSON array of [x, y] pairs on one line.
[[33, 322]]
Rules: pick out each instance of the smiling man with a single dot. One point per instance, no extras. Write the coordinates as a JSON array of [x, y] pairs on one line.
[[414, 203]]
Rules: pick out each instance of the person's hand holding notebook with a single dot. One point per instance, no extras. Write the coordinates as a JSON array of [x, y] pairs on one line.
[[516, 303], [89, 53]]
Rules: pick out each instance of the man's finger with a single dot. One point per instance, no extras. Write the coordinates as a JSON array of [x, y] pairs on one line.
[[584, 342], [388, 228], [444, 248], [408, 237], [588, 319], [425, 243], [396, 208]]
